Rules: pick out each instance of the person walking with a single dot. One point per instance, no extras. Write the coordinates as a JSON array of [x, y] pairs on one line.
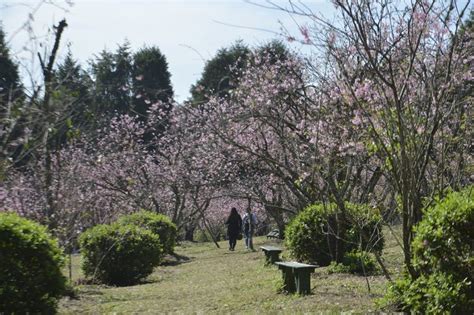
[[248, 227], [234, 226]]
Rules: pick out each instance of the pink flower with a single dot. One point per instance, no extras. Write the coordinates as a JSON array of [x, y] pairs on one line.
[[305, 32], [356, 120]]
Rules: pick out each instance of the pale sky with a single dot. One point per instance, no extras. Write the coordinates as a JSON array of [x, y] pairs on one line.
[[186, 31]]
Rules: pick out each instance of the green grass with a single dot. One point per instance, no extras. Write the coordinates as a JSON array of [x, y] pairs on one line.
[[216, 281]]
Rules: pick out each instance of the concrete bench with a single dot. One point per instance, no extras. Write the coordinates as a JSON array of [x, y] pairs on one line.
[[271, 254], [274, 234], [296, 276]]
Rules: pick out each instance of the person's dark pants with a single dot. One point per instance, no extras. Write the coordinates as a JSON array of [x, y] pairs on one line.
[[232, 241]]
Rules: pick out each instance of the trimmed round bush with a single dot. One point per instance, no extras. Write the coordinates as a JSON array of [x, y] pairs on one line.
[[119, 254], [365, 227], [156, 223], [306, 235], [443, 260], [310, 236], [30, 267], [444, 239]]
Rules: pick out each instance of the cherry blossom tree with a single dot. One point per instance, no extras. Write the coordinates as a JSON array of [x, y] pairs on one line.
[[400, 70], [285, 133]]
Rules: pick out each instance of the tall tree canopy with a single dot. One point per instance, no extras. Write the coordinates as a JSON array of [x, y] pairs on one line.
[[10, 95], [132, 83], [112, 76], [151, 79], [10, 86], [218, 76], [221, 73], [73, 95]]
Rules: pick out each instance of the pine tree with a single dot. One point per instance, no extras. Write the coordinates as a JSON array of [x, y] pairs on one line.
[[10, 86], [112, 75], [11, 100], [151, 80], [219, 76]]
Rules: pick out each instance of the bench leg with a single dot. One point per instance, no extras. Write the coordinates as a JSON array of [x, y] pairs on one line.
[[273, 258], [268, 259], [288, 280], [303, 282]]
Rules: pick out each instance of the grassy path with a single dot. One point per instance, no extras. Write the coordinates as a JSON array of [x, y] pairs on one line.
[[216, 281]]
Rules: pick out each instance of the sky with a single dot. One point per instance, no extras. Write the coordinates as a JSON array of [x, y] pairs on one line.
[[188, 32]]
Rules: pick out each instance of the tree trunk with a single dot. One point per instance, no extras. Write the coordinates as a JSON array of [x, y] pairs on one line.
[[48, 77], [189, 232]]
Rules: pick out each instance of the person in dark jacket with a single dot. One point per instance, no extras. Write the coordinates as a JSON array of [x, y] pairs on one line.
[[234, 226]]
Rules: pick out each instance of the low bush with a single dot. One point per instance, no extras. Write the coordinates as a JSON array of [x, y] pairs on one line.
[[156, 223], [365, 227], [306, 236], [443, 260], [355, 262], [30, 267], [119, 254], [202, 236], [436, 293], [311, 235]]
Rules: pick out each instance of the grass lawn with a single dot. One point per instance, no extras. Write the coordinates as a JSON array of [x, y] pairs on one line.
[[211, 280]]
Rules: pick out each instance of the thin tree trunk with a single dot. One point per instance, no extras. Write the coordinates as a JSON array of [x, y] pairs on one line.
[[48, 76]]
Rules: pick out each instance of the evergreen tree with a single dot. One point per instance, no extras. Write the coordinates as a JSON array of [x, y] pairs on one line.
[[276, 49], [219, 76], [10, 86], [11, 101], [151, 80], [221, 73], [112, 76], [73, 98]]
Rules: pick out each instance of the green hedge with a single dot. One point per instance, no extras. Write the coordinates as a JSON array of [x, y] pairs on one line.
[[310, 236], [119, 254], [30, 267], [443, 260], [156, 223]]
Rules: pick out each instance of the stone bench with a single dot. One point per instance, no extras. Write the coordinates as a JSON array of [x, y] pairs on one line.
[[296, 276], [272, 254]]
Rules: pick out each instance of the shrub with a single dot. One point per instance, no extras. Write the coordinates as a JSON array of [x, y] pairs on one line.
[[365, 227], [119, 254], [444, 239], [30, 267], [310, 236], [436, 293], [306, 236], [202, 236], [443, 259], [355, 262], [156, 223]]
